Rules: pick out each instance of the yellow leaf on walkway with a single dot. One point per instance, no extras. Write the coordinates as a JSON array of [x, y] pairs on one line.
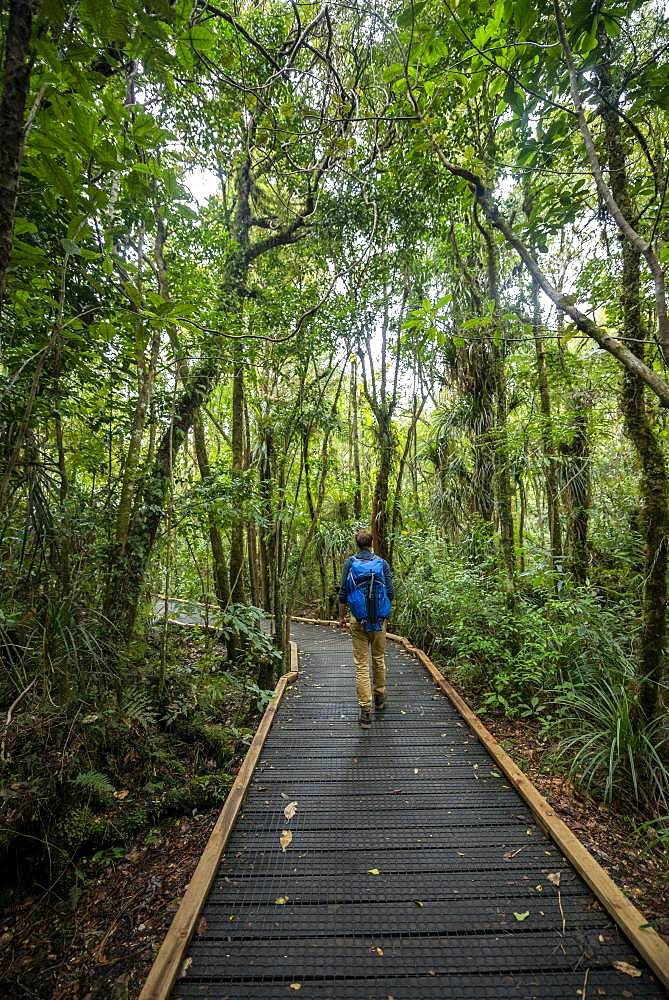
[[629, 970], [290, 810], [373, 871], [285, 839]]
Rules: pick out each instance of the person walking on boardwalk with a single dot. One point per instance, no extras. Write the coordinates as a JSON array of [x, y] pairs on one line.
[[366, 589]]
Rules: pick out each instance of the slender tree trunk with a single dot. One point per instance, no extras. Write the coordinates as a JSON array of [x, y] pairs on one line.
[[502, 472], [238, 529], [397, 496], [380, 498], [219, 563], [547, 438], [313, 516], [576, 491], [15, 86], [266, 548], [482, 387], [355, 432], [521, 520]]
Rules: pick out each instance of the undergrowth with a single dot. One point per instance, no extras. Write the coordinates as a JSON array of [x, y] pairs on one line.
[[566, 662], [87, 777]]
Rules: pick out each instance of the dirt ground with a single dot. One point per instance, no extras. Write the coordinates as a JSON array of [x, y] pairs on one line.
[[102, 944]]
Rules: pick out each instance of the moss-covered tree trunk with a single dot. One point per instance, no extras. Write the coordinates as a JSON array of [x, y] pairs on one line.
[[17, 65], [638, 415]]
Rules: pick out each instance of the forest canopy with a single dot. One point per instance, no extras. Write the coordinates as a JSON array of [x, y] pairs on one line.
[[270, 271]]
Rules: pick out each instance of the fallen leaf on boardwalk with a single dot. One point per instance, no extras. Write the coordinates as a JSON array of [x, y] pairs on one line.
[[415, 770], [202, 926], [280, 900], [295, 986], [290, 810], [555, 879], [183, 971], [539, 888], [379, 951], [431, 972], [123, 794], [521, 916], [419, 902], [629, 970], [495, 774], [373, 871], [285, 839]]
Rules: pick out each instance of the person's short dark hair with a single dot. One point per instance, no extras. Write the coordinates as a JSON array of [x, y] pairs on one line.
[[363, 538]]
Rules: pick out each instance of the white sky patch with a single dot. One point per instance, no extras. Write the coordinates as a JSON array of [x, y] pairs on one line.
[[202, 184]]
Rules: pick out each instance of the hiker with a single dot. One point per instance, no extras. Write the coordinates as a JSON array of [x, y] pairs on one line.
[[367, 590]]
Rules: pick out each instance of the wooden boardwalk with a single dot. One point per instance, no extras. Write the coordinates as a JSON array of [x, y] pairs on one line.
[[415, 869]]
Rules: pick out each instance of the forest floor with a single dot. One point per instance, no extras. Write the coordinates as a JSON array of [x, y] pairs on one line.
[[101, 944]]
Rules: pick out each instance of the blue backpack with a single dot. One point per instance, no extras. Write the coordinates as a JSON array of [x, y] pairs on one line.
[[366, 593]]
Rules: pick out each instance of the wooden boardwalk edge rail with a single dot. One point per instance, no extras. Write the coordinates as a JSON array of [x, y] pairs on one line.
[[631, 921], [167, 964]]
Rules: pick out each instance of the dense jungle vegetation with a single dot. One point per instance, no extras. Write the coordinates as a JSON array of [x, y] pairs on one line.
[[272, 270]]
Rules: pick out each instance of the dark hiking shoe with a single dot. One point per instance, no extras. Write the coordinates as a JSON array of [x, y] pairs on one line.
[[380, 702], [365, 718]]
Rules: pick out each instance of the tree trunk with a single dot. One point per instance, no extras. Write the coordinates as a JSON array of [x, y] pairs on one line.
[[576, 491], [355, 433], [397, 497], [547, 440], [219, 564], [482, 381], [238, 529], [639, 422], [16, 83], [128, 568], [313, 516], [380, 498], [266, 551], [502, 472]]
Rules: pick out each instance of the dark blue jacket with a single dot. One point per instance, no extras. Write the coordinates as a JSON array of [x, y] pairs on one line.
[[364, 554]]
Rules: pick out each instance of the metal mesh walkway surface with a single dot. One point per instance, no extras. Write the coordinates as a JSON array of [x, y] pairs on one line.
[[415, 870]]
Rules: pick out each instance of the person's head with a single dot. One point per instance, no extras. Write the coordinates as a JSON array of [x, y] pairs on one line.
[[363, 538]]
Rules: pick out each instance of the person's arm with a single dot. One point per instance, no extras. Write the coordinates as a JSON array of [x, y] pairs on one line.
[[343, 586]]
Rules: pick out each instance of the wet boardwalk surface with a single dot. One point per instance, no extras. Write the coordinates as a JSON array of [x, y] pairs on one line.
[[463, 905]]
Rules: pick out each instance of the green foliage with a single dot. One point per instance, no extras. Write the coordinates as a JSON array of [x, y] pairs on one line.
[[606, 743], [95, 783]]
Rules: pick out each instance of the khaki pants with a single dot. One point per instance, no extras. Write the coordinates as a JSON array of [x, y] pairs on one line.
[[361, 643]]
